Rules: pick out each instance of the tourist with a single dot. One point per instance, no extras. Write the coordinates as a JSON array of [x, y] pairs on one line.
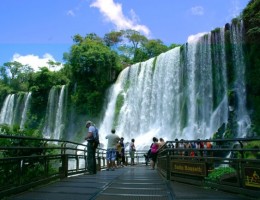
[[132, 151], [122, 151], [161, 143], [154, 152], [112, 141], [118, 154], [208, 146], [91, 156]]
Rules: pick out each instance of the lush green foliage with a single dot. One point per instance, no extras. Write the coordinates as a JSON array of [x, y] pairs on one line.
[[251, 17], [119, 104], [93, 67], [14, 130], [255, 145], [218, 173], [40, 84]]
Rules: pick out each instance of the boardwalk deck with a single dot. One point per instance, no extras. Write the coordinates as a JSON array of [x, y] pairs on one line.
[[131, 182]]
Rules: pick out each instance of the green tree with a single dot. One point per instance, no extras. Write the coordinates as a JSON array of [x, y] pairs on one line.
[[251, 18], [93, 68], [19, 75], [40, 84], [134, 38], [113, 38], [52, 64], [154, 48], [140, 55], [173, 45], [3, 75], [14, 68]]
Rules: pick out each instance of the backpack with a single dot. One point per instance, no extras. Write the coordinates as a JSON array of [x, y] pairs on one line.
[[96, 138]]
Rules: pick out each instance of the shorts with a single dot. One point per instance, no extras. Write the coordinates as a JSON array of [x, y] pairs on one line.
[[111, 154]]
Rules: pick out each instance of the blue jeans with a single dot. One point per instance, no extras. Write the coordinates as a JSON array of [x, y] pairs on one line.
[[91, 158]]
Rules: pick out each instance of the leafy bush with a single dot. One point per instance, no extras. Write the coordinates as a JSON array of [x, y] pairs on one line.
[[217, 173]]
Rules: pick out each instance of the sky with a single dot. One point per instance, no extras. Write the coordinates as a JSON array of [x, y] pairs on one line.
[[35, 31]]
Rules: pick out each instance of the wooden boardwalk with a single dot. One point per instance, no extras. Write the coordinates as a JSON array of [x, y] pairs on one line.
[[131, 182]]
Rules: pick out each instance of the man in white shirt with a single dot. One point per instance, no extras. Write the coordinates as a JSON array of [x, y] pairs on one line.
[[112, 141]]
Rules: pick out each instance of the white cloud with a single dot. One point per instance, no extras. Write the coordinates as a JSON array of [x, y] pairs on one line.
[[71, 13], [194, 38], [197, 10], [35, 61], [113, 13]]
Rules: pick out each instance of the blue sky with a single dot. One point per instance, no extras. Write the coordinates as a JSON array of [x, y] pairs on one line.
[[35, 31]]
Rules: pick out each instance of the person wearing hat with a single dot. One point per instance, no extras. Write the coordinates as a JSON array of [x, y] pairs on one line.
[[91, 159]]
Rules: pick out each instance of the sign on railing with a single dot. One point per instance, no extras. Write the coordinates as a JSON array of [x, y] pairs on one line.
[[197, 169], [230, 162], [252, 176]]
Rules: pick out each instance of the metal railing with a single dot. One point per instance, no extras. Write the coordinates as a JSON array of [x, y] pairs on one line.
[[26, 162], [229, 164], [139, 158]]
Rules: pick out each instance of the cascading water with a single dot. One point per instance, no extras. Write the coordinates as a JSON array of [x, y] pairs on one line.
[[19, 100], [50, 113], [220, 98], [54, 120], [115, 91], [243, 120], [6, 116], [14, 110], [59, 122], [25, 110], [180, 94]]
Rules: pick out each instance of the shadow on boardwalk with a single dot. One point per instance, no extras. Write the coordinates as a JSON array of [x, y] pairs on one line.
[[131, 182]]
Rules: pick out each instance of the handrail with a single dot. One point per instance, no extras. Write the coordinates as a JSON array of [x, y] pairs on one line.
[[28, 161], [194, 164]]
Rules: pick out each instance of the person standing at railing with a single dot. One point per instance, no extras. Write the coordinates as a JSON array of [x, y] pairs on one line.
[[118, 154], [132, 151], [122, 151], [161, 143], [208, 146], [112, 141], [154, 151], [91, 159]]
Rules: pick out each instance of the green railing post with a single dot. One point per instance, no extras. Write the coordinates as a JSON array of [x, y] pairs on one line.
[[64, 166], [168, 166], [98, 163]]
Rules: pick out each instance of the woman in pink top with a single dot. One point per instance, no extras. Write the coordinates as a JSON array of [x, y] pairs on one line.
[[154, 150]]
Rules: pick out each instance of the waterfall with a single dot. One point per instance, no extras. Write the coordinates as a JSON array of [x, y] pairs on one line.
[[15, 108], [220, 101], [50, 113], [19, 100], [243, 120], [182, 93], [59, 123], [25, 110], [6, 115], [114, 91], [54, 119]]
